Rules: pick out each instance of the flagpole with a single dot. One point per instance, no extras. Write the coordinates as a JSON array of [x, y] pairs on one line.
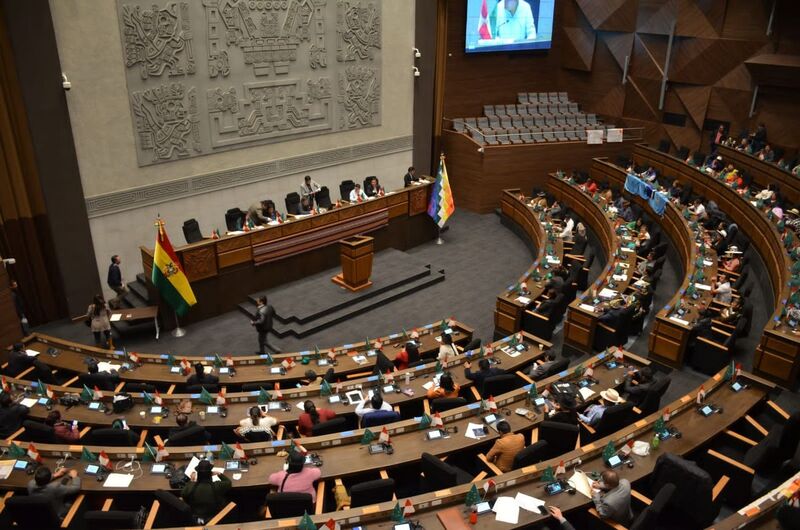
[[439, 240], [178, 332]]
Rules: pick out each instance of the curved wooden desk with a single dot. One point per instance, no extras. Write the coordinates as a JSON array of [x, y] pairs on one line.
[[669, 337], [581, 322], [760, 514], [508, 311], [763, 173], [72, 357], [778, 355]]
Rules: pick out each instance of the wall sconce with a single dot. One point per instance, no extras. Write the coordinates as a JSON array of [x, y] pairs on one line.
[[416, 71], [417, 53]]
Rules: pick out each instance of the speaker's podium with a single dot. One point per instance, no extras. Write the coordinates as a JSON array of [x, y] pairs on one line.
[[356, 254]]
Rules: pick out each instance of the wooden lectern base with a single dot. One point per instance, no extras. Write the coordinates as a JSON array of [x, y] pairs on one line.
[[339, 280]]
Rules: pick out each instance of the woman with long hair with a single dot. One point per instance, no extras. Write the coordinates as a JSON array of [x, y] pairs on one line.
[[312, 416], [447, 388], [99, 318], [256, 421], [296, 477]]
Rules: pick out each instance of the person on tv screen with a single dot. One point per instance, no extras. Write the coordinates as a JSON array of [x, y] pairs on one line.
[[514, 20]]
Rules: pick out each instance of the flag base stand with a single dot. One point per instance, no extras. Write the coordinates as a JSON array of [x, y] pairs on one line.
[[178, 332], [439, 241]]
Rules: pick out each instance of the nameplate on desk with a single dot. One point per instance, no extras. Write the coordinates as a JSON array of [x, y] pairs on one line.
[[619, 277], [626, 249], [587, 307], [680, 321], [702, 287]]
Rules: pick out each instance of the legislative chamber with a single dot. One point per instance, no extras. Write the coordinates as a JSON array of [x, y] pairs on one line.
[[408, 265]]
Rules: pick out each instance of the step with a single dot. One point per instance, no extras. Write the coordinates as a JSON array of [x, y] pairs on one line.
[[139, 290], [300, 330]]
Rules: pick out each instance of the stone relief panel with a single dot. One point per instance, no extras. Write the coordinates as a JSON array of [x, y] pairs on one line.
[[269, 72]]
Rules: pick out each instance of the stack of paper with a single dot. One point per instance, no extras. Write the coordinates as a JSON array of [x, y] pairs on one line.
[[506, 510], [474, 431], [586, 393], [32, 353], [104, 366], [607, 293], [531, 504], [116, 317], [118, 480], [680, 321], [581, 483], [587, 307], [523, 300], [6, 467]]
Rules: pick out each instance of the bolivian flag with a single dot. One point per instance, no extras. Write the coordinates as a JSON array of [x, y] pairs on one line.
[[441, 205], [168, 276]]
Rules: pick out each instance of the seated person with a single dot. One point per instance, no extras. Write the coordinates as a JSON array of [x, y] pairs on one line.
[[18, 360], [447, 388], [485, 370], [566, 233], [257, 421], [373, 404], [200, 377], [721, 289], [539, 370], [297, 478], [580, 240], [676, 190], [382, 364], [731, 314], [357, 194], [447, 350], [408, 356], [102, 380], [731, 262], [373, 189], [649, 175], [765, 195], [270, 213], [643, 236], [65, 432], [716, 165], [612, 498], [637, 383], [11, 415], [766, 154], [256, 212], [183, 424], [312, 416], [44, 484], [305, 206], [410, 177], [565, 410], [593, 413], [626, 212], [698, 210], [540, 201], [506, 447], [205, 496], [548, 305]]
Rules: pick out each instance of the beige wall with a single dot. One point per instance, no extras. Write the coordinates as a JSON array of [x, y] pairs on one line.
[[91, 55]]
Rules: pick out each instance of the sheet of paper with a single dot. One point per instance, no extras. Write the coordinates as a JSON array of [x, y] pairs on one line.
[[707, 263], [523, 300], [104, 366], [32, 353], [581, 483], [619, 277], [680, 321], [118, 480], [506, 510], [586, 393], [235, 233], [471, 431], [587, 307], [6, 467], [301, 405], [29, 402], [526, 502], [511, 352], [115, 317], [552, 260], [702, 287], [607, 293], [359, 359], [626, 249], [191, 466], [426, 386]]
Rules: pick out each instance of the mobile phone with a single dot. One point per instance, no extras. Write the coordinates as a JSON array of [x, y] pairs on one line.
[[611, 365], [375, 449], [433, 435], [737, 386], [94, 406], [232, 465], [491, 418], [212, 409], [20, 464], [155, 409]]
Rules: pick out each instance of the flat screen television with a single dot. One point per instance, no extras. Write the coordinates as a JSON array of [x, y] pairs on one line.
[[509, 25]]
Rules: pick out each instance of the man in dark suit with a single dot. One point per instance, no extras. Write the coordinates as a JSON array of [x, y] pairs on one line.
[[116, 283], [263, 324], [410, 177], [200, 377], [183, 424], [485, 371], [549, 304], [637, 383], [11, 415], [102, 380], [18, 360], [372, 188]]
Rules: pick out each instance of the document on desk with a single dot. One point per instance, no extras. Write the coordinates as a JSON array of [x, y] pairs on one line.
[[475, 431], [587, 307], [553, 261], [702, 287], [104, 366], [28, 402], [6, 467], [118, 480], [191, 467], [586, 393], [523, 300], [526, 502], [626, 249], [680, 321], [359, 359], [32, 353], [116, 317], [506, 510], [607, 293], [619, 277], [581, 483]]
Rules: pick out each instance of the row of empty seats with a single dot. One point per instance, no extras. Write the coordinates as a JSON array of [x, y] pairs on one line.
[[558, 133], [530, 109], [542, 97]]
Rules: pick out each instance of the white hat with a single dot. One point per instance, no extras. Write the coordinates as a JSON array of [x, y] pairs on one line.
[[611, 395], [733, 249], [719, 157]]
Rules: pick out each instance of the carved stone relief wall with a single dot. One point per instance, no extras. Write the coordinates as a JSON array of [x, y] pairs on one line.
[[271, 72]]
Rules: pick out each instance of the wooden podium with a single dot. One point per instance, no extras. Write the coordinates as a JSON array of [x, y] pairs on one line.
[[356, 253]]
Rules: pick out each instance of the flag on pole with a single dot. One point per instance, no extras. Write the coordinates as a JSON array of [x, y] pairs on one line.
[[168, 275], [492, 405], [278, 393], [561, 468], [437, 422], [484, 30], [383, 437], [238, 452], [441, 205], [134, 357], [489, 484], [33, 454], [330, 524], [161, 453], [701, 395], [97, 394], [157, 400], [6, 387], [408, 508], [221, 397], [186, 366], [103, 460]]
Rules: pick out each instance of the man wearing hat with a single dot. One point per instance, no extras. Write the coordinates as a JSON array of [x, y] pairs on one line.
[[591, 416], [731, 262], [716, 165], [540, 201]]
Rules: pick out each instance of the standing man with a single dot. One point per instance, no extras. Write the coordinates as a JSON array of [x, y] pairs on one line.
[[410, 177], [514, 20], [263, 324], [309, 189], [115, 282]]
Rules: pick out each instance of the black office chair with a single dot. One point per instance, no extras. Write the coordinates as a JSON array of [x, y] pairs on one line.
[[651, 402], [258, 436], [556, 368], [345, 188], [499, 384], [561, 437], [438, 475], [293, 203], [537, 325], [329, 427], [38, 432], [371, 492], [139, 387], [99, 380], [709, 354], [324, 198], [254, 387], [191, 231], [533, 454], [288, 504], [173, 511], [379, 418], [194, 435], [693, 503], [776, 447], [613, 419], [648, 518], [473, 345], [234, 219], [197, 389], [663, 145], [683, 153], [113, 519], [443, 404], [32, 511], [112, 437]]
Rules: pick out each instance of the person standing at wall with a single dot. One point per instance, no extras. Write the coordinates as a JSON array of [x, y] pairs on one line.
[[116, 283]]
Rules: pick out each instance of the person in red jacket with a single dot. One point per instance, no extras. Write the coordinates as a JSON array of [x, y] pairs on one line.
[[311, 417], [64, 431]]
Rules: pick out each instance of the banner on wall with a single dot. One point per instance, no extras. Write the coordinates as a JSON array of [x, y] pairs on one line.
[[614, 135], [594, 136]]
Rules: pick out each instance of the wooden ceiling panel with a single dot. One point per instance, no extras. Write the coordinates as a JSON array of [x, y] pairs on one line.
[[644, 62], [699, 19], [657, 16], [610, 15], [705, 61], [641, 98], [578, 55], [738, 79], [746, 19], [689, 136], [620, 45], [695, 101]]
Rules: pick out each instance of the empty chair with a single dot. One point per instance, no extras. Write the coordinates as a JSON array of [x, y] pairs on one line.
[[173, 511], [526, 138], [488, 110], [522, 110], [494, 122], [561, 437], [710, 355], [33, 511], [563, 97], [39, 432], [194, 435], [482, 123], [538, 137], [522, 97], [324, 198], [293, 203], [614, 418], [648, 518], [438, 475], [477, 136], [472, 122], [458, 125], [518, 123], [288, 504], [112, 437], [533, 454], [371, 492], [694, 501], [191, 231], [443, 404], [473, 345], [560, 136], [329, 427], [500, 110], [777, 446], [528, 122], [234, 219], [196, 389], [591, 118], [345, 188], [573, 108], [499, 384], [511, 110], [506, 123], [502, 137], [139, 387], [112, 519]]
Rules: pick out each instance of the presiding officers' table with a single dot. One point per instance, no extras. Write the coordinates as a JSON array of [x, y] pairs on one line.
[[224, 271]]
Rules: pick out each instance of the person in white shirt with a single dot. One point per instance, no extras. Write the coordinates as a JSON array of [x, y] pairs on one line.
[[357, 194], [447, 350], [258, 421], [722, 290], [566, 234], [698, 209], [514, 20], [309, 188], [376, 402]]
